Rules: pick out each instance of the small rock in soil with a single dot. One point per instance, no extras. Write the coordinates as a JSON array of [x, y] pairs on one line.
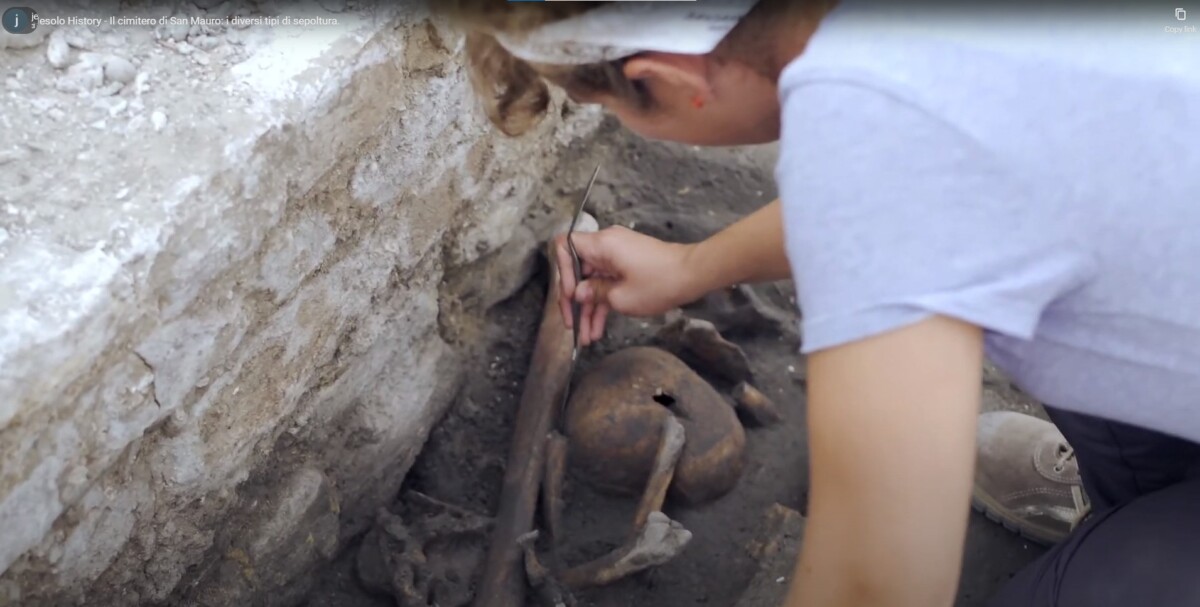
[[119, 69], [80, 78], [58, 52], [109, 89], [82, 40], [206, 43]]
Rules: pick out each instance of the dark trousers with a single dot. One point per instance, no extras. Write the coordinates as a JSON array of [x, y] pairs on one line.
[[1141, 545]]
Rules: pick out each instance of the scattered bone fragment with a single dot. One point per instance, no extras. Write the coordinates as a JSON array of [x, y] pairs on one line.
[[670, 447], [502, 583], [552, 484], [755, 405], [549, 591], [390, 560], [699, 343], [438, 519], [421, 557], [740, 309], [775, 548], [658, 541], [654, 540]]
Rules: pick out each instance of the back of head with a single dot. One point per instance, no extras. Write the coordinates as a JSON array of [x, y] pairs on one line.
[[514, 92]]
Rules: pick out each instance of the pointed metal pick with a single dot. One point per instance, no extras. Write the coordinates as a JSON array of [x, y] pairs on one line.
[[576, 308]]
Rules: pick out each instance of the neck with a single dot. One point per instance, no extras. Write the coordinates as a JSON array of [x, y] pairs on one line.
[[793, 33]]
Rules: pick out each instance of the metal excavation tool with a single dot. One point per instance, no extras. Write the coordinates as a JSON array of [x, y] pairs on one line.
[[576, 308]]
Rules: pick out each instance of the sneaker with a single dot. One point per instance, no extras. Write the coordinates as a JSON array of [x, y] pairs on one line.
[[1026, 477]]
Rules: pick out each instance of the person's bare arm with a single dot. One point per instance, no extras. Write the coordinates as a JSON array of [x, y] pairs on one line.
[[748, 251], [891, 423]]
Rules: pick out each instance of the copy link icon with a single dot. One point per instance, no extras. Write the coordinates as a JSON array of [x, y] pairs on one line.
[[1181, 14], [19, 20]]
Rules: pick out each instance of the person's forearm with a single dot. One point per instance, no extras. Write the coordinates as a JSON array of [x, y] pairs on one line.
[[749, 251]]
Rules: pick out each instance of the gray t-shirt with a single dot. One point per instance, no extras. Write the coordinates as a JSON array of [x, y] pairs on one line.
[[1036, 175]]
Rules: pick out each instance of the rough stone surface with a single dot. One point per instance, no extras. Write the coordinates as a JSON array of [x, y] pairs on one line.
[[240, 268]]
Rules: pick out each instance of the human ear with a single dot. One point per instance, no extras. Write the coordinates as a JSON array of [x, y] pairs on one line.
[[688, 74]]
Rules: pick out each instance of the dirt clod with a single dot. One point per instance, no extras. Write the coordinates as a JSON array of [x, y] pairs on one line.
[[775, 547]]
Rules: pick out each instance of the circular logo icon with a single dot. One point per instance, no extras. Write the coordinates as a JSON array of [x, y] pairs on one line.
[[19, 20]]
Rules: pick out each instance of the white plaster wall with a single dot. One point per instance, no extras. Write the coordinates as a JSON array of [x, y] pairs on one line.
[[225, 320]]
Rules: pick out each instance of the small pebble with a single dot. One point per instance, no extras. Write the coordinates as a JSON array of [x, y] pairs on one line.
[[119, 69], [58, 52], [121, 195], [79, 41], [206, 43], [178, 31], [158, 119], [791, 369], [141, 84], [80, 78], [110, 89], [779, 580], [99, 125]]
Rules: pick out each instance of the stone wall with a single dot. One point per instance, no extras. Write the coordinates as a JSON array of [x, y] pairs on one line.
[[237, 287]]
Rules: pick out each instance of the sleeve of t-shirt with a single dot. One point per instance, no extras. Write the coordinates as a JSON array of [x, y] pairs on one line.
[[893, 215]]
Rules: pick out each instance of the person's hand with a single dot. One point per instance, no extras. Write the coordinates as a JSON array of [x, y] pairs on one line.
[[625, 272]]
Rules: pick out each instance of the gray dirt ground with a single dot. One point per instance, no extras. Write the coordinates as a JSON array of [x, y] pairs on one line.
[[682, 194]]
